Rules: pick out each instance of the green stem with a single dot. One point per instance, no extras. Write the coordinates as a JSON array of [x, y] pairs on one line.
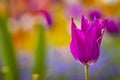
[[40, 55], [8, 52], [86, 72]]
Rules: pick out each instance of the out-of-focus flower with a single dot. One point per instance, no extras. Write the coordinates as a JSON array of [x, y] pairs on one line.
[[18, 7], [85, 44], [74, 10], [94, 14], [35, 5], [25, 34], [113, 27], [26, 14], [46, 18]]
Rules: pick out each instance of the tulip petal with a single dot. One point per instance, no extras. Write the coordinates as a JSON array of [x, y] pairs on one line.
[[74, 46], [77, 46], [84, 24], [95, 53], [73, 27], [82, 47], [74, 49], [98, 29], [102, 23], [96, 50], [95, 32], [91, 35]]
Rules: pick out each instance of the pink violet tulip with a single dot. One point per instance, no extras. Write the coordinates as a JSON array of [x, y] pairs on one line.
[[113, 27], [85, 44], [47, 16]]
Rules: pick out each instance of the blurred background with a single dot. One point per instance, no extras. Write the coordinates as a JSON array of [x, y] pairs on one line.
[[35, 37]]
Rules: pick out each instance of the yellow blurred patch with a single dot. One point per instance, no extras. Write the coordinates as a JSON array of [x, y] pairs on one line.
[[59, 34]]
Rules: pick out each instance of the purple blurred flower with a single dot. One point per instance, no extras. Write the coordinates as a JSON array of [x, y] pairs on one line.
[[74, 10], [94, 14], [112, 27], [47, 16], [85, 44]]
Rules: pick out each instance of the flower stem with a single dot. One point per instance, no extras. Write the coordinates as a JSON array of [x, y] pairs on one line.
[[40, 55], [86, 72], [8, 52]]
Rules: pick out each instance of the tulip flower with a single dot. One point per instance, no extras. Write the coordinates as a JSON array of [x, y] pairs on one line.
[[74, 10], [113, 27], [47, 17], [19, 7], [94, 13], [85, 44]]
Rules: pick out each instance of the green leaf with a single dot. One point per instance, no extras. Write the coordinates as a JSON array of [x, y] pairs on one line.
[[40, 55], [8, 53]]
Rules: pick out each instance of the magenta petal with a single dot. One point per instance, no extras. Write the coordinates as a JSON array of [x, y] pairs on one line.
[[93, 39], [84, 24], [82, 47], [78, 47], [79, 39], [77, 34], [73, 27], [91, 35], [96, 33], [74, 49], [95, 53], [74, 46], [103, 23], [100, 30]]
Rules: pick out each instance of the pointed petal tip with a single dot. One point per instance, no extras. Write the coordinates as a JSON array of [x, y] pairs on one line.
[[72, 19], [72, 23], [47, 16], [84, 17], [85, 24]]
